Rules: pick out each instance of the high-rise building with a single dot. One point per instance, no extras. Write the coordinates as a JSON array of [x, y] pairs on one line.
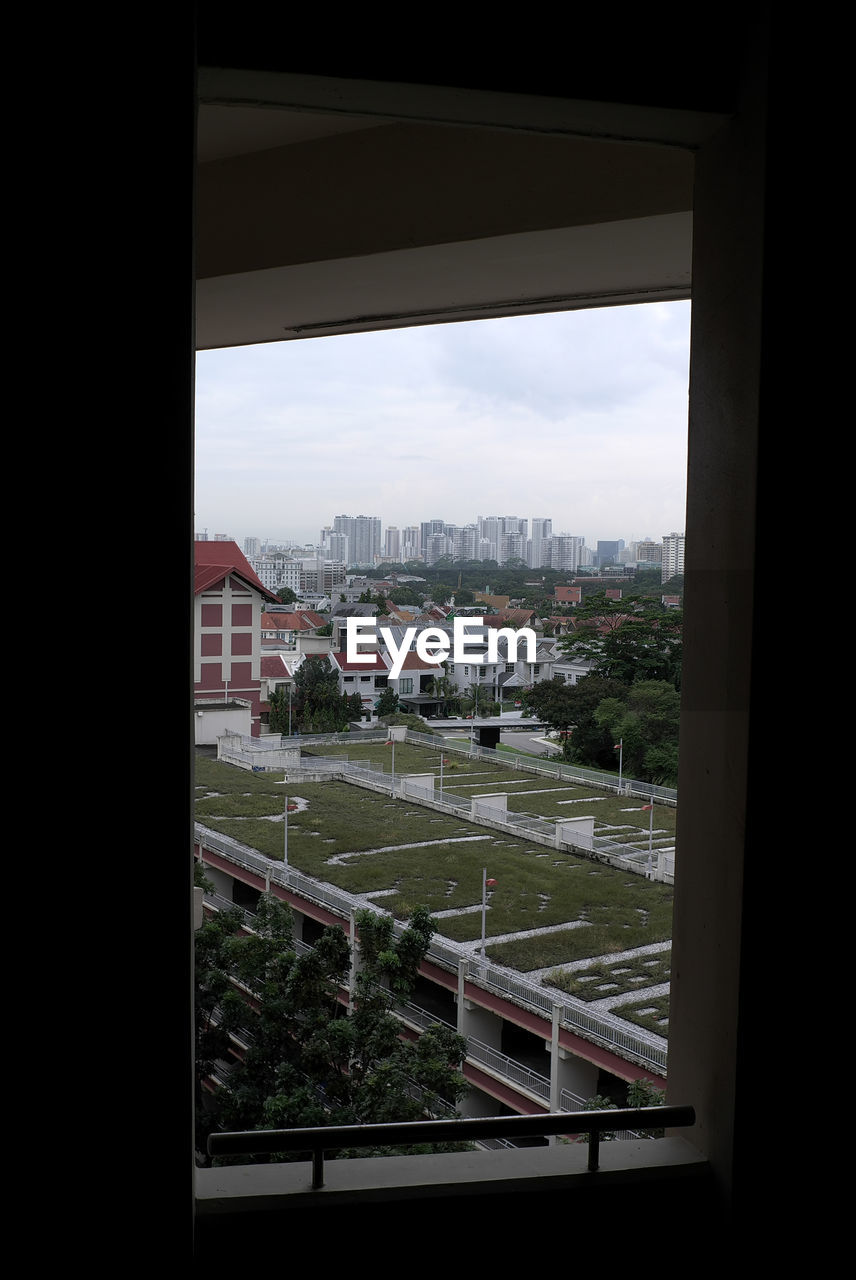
[[673, 555], [364, 538], [648, 552], [410, 543], [566, 552], [607, 551], [542, 532], [429, 529], [392, 543]]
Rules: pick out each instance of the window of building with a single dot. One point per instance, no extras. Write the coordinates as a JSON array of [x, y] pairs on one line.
[[405, 685], [573, 678]]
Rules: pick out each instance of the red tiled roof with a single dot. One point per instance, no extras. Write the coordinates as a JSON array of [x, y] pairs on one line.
[[412, 661], [213, 560], [273, 666], [305, 620], [377, 663]]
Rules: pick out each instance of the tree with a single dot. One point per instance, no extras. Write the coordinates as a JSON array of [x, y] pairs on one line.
[[628, 640], [444, 688], [279, 719], [306, 1063], [316, 703], [387, 703], [404, 596], [645, 718], [286, 595], [570, 709]]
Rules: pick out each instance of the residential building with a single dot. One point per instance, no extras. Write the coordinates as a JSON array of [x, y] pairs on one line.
[[673, 555], [364, 538], [538, 550], [565, 552], [649, 554], [228, 600], [392, 544], [368, 679]]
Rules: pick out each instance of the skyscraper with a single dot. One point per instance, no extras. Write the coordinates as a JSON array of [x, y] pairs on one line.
[[673, 555], [542, 532], [364, 538]]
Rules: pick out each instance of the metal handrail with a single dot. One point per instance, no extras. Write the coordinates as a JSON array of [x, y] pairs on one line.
[[317, 1140]]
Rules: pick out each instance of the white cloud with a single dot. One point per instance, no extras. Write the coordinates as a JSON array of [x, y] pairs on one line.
[[579, 416]]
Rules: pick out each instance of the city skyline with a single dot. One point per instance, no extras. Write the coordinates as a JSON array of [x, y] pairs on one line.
[[579, 417]]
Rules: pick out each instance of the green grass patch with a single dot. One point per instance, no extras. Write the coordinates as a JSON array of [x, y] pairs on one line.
[[621, 977], [657, 1021], [536, 885]]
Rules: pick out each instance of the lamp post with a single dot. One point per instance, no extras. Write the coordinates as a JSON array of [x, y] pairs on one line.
[[650, 838], [475, 712], [485, 883], [619, 747], [285, 824], [391, 743]]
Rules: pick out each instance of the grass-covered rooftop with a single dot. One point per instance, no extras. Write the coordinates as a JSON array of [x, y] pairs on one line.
[[367, 843]]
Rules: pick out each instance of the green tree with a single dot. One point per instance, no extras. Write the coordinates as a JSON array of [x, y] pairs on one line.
[[279, 714], [646, 719], [570, 709], [628, 640], [387, 703], [306, 1062], [642, 1094], [405, 596], [317, 704], [286, 595], [444, 688]]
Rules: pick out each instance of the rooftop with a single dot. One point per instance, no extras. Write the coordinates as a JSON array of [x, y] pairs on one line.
[[574, 925]]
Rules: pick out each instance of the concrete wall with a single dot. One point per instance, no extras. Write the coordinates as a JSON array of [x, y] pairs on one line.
[[211, 725]]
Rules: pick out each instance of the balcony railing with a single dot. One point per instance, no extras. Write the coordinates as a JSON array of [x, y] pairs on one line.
[[317, 1141]]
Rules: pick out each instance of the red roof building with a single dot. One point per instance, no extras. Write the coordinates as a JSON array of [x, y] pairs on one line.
[[227, 628]]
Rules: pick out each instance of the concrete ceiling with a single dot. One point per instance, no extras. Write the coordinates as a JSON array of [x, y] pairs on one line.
[[332, 209]]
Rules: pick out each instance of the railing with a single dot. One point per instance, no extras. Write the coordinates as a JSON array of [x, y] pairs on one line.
[[548, 768], [504, 1066], [333, 1137], [603, 1028], [369, 774], [500, 1063]]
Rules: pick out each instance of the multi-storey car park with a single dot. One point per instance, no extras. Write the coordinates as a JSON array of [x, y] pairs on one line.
[[557, 976]]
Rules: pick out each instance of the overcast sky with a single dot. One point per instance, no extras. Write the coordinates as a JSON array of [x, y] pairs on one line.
[[581, 417]]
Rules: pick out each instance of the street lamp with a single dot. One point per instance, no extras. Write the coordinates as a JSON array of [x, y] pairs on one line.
[[485, 883], [391, 743], [619, 747], [475, 712], [285, 844], [650, 838]]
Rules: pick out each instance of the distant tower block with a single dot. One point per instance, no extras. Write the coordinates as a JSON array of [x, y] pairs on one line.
[[575, 831]]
